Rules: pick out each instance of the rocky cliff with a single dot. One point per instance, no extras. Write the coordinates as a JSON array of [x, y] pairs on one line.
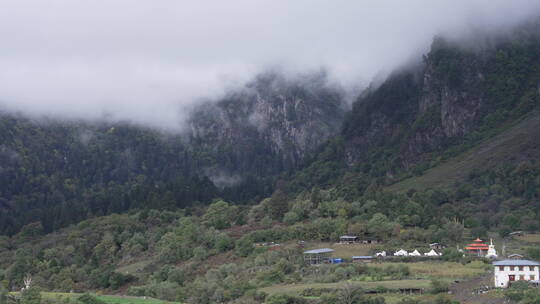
[[269, 126], [455, 93]]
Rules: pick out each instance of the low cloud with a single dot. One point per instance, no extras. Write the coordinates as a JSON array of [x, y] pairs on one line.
[[150, 61], [222, 178]]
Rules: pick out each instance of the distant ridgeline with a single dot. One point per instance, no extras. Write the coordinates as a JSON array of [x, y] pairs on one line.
[[59, 173]]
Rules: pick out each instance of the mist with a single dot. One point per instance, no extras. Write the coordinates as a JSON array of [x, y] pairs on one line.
[[148, 62]]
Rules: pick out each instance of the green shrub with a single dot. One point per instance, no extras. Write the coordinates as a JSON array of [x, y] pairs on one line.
[[31, 296], [88, 299], [438, 286]]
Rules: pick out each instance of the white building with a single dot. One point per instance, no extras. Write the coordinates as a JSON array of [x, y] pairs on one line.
[[508, 271]]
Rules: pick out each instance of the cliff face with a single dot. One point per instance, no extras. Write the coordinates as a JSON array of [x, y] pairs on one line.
[[454, 93], [450, 104], [269, 126]]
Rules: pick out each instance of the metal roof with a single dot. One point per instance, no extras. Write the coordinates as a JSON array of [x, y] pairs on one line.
[[516, 263], [348, 237], [322, 250], [362, 257]]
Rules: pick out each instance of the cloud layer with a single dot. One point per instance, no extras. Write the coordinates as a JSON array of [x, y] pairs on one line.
[[146, 61]]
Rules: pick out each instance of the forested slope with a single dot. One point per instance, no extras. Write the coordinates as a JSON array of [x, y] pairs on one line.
[[57, 173]]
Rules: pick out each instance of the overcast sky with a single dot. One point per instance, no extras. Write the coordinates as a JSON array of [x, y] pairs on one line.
[[143, 60]]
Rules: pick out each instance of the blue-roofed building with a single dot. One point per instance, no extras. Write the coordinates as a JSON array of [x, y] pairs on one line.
[[508, 271]]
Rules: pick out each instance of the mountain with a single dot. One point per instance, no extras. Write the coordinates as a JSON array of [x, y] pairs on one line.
[[441, 151], [58, 173], [269, 127], [459, 96], [293, 129]]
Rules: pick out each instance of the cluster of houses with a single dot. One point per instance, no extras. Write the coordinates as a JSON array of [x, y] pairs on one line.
[[513, 268], [324, 255]]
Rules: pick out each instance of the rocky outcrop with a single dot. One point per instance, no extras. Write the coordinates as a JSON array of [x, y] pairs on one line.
[[420, 110], [271, 125]]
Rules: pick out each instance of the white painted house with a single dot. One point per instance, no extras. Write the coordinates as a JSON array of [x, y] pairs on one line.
[[508, 271]]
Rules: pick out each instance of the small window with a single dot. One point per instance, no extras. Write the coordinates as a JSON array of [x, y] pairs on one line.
[[512, 268], [532, 277], [522, 277], [520, 268], [501, 268]]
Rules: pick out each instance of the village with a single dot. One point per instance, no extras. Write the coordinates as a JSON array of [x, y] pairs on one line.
[[490, 269]]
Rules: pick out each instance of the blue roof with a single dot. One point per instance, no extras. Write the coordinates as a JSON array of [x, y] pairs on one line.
[[516, 263], [322, 250]]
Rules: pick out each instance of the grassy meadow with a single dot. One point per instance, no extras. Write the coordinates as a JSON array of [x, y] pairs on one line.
[[449, 270]]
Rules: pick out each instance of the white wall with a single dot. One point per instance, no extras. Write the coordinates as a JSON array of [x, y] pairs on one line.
[[501, 277]]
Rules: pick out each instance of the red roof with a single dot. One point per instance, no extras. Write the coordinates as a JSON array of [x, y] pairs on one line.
[[477, 245], [476, 248]]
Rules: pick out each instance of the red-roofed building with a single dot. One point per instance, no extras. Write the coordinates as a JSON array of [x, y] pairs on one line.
[[477, 247]]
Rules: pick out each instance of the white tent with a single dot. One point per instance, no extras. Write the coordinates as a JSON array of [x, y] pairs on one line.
[[380, 254], [414, 253], [431, 253], [401, 252]]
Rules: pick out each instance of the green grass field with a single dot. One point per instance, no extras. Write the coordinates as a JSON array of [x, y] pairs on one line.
[[529, 238], [59, 297], [449, 270], [421, 275]]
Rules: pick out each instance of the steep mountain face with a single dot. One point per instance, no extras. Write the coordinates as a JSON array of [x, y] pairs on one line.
[[59, 172], [455, 93], [420, 116], [274, 123]]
